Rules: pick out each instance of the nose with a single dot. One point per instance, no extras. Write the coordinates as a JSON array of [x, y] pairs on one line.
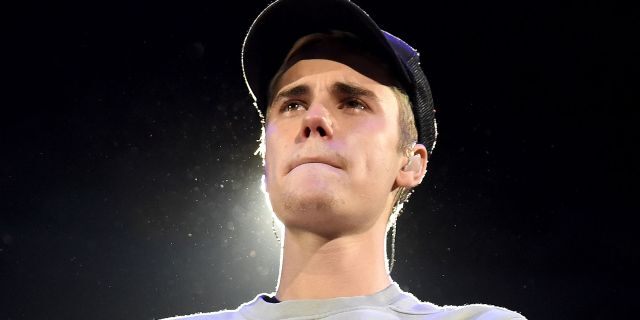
[[316, 122]]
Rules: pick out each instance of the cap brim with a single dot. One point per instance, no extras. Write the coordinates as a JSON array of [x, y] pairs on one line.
[[283, 22]]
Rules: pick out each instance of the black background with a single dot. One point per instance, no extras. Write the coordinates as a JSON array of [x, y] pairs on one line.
[[130, 189]]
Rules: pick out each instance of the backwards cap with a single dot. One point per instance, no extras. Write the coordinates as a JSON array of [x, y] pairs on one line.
[[283, 22]]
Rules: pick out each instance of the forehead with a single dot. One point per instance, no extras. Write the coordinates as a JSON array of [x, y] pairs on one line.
[[326, 72], [311, 78], [343, 50], [339, 58], [330, 62]]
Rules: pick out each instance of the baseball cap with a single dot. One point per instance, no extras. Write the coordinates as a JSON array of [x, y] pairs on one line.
[[283, 22]]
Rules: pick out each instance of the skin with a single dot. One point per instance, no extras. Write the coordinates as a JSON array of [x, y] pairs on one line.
[[332, 167]]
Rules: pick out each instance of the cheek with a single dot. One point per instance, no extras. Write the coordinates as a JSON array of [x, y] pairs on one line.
[[381, 165], [270, 154], [380, 153], [276, 145]]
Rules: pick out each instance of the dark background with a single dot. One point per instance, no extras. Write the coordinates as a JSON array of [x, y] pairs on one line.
[[130, 189]]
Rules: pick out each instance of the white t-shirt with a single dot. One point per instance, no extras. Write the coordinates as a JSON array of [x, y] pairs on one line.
[[389, 304]]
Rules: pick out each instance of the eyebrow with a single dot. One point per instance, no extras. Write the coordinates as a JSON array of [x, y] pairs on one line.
[[352, 90], [299, 90]]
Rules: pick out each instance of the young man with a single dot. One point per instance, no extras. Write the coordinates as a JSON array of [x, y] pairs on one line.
[[349, 126]]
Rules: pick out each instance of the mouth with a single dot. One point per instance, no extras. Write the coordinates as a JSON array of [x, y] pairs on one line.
[[314, 160]]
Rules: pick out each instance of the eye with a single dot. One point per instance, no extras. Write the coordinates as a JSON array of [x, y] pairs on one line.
[[354, 104], [292, 106]]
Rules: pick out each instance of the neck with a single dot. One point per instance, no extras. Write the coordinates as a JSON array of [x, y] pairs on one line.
[[314, 267]]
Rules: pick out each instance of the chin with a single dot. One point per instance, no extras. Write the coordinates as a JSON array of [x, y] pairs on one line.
[[305, 191], [323, 213], [310, 203]]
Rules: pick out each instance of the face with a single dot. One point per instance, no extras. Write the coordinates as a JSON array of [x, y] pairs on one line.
[[332, 139]]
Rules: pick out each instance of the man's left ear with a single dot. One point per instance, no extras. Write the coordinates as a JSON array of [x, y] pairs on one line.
[[414, 168]]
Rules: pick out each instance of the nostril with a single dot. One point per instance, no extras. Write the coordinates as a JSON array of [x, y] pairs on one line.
[[307, 132], [321, 132]]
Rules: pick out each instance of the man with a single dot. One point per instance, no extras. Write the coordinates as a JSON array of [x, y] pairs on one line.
[[348, 128]]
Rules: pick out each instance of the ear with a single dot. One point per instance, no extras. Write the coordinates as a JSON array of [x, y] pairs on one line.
[[414, 168]]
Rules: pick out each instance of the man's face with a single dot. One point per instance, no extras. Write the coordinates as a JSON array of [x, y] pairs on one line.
[[332, 146]]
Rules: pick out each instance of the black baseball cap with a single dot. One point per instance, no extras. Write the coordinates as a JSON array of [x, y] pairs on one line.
[[283, 22]]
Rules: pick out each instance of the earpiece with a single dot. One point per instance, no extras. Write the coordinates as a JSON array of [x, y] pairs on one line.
[[413, 164]]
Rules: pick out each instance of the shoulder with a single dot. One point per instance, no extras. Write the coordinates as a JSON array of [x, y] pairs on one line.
[[219, 315], [481, 312], [407, 303]]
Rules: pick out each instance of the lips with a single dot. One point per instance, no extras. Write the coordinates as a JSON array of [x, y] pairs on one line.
[[323, 160]]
